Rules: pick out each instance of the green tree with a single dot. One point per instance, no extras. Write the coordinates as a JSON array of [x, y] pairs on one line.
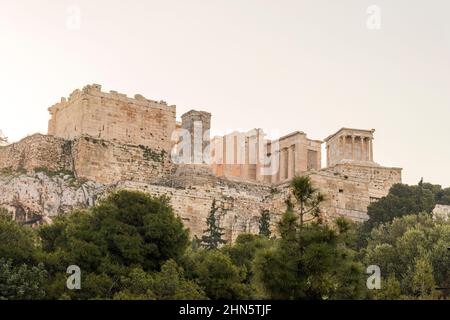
[[17, 243], [412, 249], [212, 237], [308, 198], [402, 200], [21, 282], [216, 274], [264, 224], [390, 289], [309, 262], [243, 252], [127, 230], [168, 284], [443, 196], [423, 280]]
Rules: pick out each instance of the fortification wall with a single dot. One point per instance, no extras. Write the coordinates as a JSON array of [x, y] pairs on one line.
[[108, 162], [240, 205], [349, 189], [91, 159], [36, 151], [380, 179], [347, 197], [115, 117]]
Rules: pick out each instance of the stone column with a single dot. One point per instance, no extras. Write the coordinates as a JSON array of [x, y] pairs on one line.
[[328, 155], [353, 147], [363, 154], [277, 176], [198, 124], [259, 155], [348, 149], [226, 155], [291, 164], [371, 148], [283, 155], [366, 149], [243, 157]]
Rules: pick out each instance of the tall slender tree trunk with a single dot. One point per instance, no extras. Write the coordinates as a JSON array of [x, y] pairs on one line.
[[301, 214]]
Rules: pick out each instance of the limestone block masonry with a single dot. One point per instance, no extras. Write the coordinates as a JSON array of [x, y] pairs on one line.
[[100, 142], [36, 151], [87, 158], [111, 162], [114, 117]]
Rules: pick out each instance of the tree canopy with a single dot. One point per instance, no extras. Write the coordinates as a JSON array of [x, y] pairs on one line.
[[404, 200], [131, 246]]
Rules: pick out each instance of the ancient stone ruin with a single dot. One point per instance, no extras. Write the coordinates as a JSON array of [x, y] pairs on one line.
[[99, 142]]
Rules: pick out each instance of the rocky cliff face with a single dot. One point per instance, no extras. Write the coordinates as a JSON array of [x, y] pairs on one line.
[[37, 197], [30, 196]]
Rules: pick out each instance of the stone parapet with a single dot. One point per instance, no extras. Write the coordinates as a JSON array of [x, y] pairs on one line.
[[37, 151]]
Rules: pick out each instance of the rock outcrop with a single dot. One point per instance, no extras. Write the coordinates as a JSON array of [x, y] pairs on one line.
[[29, 195]]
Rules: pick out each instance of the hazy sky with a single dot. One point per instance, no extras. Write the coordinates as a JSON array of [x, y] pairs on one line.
[[282, 66]]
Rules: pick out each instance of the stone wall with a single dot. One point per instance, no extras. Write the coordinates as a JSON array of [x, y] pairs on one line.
[[343, 197], [380, 179], [346, 197], [88, 158], [108, 162], [240, 205], [349, 188], [192, 190], [38, 195], [114, 117], [36, 151]]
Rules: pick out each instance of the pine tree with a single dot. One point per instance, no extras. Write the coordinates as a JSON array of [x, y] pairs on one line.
[[264, 224], [212, 237], [308, 198], [423, 279]]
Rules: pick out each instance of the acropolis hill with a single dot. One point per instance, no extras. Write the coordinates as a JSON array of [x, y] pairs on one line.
[[99, 142]]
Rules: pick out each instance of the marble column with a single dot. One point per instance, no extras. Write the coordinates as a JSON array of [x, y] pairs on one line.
[[353, 148], [362, 155], [278, 174], [328, 155], [283, 164], [291, 164]]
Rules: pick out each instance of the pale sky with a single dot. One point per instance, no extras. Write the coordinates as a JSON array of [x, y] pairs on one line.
[[283, 66]]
